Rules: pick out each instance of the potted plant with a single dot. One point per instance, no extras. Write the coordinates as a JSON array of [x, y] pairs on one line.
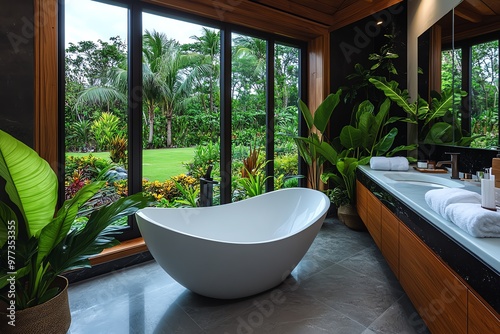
[[38, 244], [356, 144]]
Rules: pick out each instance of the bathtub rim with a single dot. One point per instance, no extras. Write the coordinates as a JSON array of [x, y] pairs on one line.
[[313, 220]]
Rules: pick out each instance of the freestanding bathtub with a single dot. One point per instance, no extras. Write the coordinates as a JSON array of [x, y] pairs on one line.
[[235, 250]]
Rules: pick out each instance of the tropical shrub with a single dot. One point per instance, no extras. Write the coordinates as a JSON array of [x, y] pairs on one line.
[[205, 154], [286, 164], [104, 129], [190, 195], [80, 171], [118, 149], [164, 192]]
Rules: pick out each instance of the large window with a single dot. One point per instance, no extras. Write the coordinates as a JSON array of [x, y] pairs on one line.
[[156, 99]]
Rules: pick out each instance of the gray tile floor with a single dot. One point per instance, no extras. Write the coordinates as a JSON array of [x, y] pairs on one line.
[[343, 285]]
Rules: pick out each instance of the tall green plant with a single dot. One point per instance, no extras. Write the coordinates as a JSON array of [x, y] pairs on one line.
[[317, 123], [45, 244]]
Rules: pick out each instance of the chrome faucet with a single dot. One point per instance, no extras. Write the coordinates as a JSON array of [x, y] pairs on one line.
[[453, 163]]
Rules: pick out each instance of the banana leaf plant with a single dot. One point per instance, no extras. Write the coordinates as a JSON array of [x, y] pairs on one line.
[[38, 243], [434, 130], [317, 123], [367, 136]]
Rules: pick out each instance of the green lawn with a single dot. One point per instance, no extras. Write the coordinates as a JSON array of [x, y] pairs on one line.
[[159, 164]]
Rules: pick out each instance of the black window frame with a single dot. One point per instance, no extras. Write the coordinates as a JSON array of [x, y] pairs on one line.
[[134, 49]]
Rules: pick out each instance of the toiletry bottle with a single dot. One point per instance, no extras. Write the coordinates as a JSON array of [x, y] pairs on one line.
[[495, 170], [488, 190]]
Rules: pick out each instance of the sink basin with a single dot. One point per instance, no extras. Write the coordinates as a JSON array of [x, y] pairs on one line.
[[422, 180]]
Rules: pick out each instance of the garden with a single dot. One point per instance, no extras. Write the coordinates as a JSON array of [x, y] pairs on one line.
[[181, 117]]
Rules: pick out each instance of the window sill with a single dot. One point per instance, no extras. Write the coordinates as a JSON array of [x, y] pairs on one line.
[[124, 249]]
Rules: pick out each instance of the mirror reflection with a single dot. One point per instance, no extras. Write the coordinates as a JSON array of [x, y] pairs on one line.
[[462, 51]]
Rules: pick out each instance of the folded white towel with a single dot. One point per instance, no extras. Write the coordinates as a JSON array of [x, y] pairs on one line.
[[439, 199], [389, 163], [475, 220]]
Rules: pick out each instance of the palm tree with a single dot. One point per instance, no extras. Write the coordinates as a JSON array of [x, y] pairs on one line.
[[168, 77], [156, 47], [208, 45]]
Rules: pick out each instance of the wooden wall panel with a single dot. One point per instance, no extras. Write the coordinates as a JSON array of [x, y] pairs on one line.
[[46, 81], [318, 70]]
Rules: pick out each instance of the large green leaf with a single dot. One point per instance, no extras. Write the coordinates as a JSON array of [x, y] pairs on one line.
[[56, 231], [325, 109], [440, 105], [386, 142], [307, 114], [75, 250], [364, 108], [350, 137], [368, 127], [382, 114], [440, 133], [30, 182], [327, 151], [396, 95]]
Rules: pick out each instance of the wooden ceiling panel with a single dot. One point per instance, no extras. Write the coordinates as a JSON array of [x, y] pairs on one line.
[[479, 6], [494, 5], [301, 9], [323, 6], [302, 19]]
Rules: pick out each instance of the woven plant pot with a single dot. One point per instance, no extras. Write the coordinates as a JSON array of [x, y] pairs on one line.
[[350, 217], [51, 317]]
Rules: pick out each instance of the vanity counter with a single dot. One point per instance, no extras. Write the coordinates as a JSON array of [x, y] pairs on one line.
[[475, 260]]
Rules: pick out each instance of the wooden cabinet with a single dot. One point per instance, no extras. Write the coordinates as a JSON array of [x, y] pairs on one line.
[[445, 303], [436, 292], [480, 318], [369, 207], [390, 238]]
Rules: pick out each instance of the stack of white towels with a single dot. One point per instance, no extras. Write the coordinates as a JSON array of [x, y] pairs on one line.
[[389, 163], [463, 208]]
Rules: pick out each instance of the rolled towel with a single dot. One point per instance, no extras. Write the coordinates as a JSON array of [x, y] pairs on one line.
[[440, 199], [389, 163], [475, 220]]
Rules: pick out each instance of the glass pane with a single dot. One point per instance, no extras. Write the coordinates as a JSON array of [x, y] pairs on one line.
[[451, 76], [95, 98], [286, 113], [484, 94], [181, 131], [248, 93]]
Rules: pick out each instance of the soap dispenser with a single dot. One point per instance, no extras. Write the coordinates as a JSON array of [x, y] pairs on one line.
[[495, 170]]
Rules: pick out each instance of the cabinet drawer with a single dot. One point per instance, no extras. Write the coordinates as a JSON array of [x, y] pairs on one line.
[[369, 207], [439, 296], [390, 239]]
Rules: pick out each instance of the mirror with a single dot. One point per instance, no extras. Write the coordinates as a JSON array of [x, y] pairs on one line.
[[462, 50]]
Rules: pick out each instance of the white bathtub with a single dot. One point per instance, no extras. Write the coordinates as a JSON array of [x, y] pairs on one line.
[[235, 250]]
